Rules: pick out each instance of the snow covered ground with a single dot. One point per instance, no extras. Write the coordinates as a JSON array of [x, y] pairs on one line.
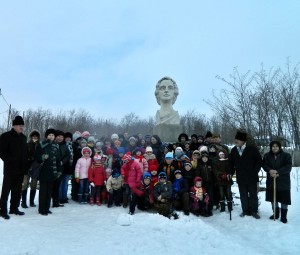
[[84, 229]]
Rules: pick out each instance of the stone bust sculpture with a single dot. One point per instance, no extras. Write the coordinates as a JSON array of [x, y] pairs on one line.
[[166, 93]]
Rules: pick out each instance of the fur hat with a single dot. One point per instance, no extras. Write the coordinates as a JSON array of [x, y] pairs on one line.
[[242, 136], [50, 131], [69, 135], [34, 133], [59, 132], [18, 121], [86, 150], [183, 135]]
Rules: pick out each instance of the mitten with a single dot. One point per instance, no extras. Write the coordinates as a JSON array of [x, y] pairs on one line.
[[92, 184]]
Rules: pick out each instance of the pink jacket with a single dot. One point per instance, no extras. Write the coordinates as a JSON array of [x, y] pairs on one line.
[[131, 173], [82, 167], [142, 162]]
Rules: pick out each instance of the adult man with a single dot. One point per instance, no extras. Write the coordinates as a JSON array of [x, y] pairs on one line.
[[246, 161], [13, 152], [166, 93]]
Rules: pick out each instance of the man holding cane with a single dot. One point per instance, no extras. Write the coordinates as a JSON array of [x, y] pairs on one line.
[[278, 165]]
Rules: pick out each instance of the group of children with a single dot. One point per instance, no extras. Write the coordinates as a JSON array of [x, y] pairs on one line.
[[135, 171]]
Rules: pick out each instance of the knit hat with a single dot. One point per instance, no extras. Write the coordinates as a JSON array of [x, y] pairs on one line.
[[153, 168], [196, 152], [114, 136], [188, 164], [85, 134], [132, 138], [162, 175], [177, 172], [203, 149], [115, 173], [59, 132], [76, 136], [204, 154], [110, 151], [83, 141], [117, 142], [121, 150], [149, 148], [86, 150], [197, 179], [97, 157], [146, 175], [91, 139], [18, 121], [242, 136], [179, 154], [68, 135], [98, 144], [108, 170], [127, 157], [208, 134], [50, 131], [169, 155]]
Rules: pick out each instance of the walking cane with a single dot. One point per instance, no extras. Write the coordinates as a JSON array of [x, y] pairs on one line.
[[274, 196]]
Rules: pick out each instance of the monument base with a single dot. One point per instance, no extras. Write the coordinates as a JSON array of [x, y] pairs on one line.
[[168, 132]]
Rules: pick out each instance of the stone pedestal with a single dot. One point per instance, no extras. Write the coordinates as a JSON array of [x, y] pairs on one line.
[[168, 132]]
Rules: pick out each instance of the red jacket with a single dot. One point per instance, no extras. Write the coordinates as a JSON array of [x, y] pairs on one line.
[[97, 174], [141, 189], [132, 173]]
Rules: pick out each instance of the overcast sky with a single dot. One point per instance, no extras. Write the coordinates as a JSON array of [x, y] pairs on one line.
[[106, 56]]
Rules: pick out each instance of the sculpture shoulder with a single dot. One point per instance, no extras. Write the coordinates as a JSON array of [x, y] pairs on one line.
[[163, 117]]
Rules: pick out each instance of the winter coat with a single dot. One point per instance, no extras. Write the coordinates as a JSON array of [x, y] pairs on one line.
[[283, 165], [97, 174], [222, 172], [50, 167], [205, 171], [158, 151], [64, 156], [31, 148], [142, 190], [151, 160], [131, 173], [197, 194], [164, 189], [13, 152], [68, 167], [82, 167], [246, 166], [189, 176], [114, 183], [167, 169], [142, 163], [180, 186]]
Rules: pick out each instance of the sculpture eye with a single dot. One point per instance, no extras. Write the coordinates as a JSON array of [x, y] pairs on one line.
[[162, 87], [170, 87]]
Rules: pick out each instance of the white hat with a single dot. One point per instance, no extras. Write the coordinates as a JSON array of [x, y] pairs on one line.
[[149, 148]]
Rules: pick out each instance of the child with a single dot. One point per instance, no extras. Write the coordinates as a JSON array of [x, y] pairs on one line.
[[142, 194], [222, 174], [150, 157], [153, 171], [104, 193], [163, 191], [113, 187], [167, 166], [189, 174], [139, 158], [199, 198], [97, 177], [181, 193], [81, 174]]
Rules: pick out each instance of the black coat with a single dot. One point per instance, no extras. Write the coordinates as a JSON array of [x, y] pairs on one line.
[[13, 152], [283, 165], [246, 166]]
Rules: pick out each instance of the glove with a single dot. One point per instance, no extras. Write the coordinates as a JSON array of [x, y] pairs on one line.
[[206, 199], [77, 180], [92, 184]]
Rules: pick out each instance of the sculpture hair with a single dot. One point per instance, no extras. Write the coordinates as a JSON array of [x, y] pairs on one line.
[[176, 92]]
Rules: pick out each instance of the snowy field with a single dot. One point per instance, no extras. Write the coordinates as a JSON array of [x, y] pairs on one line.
[[84, 229]]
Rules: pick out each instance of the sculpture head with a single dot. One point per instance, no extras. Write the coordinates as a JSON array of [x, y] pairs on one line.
[[166, 89]]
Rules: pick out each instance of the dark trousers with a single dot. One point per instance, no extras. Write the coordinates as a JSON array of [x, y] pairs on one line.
[[45, 196], [115, 196], [142, 202], [248, 196], [96, 192], [13, 184], [182, 202], [55, 192]]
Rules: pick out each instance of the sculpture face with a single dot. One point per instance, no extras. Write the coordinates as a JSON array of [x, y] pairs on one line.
[[166, 90]]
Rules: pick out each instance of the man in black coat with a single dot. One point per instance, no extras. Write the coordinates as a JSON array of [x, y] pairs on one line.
[[246, 161], [13, 152], [278, 165]]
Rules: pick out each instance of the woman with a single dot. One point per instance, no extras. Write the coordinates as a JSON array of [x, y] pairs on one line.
[[278, 165]]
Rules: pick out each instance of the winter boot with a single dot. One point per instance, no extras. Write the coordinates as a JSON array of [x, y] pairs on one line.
[[31, 199], [276, 214], [91, 201], [80, 198], [283, 218], [98, 201], [229, 205], [24, 197], [222, 204], [125, 200]]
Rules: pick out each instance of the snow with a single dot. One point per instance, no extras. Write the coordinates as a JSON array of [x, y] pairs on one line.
[[84, 229]]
